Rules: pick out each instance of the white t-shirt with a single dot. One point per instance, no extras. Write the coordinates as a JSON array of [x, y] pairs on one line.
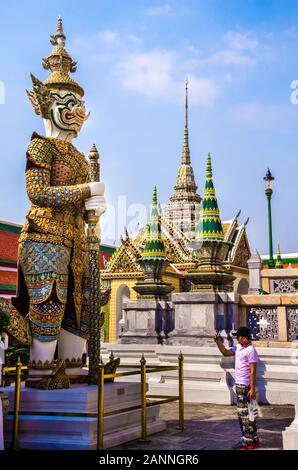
[[244, 355]]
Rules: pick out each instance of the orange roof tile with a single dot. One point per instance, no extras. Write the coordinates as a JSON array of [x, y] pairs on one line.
[[8, 245], [8, 277]]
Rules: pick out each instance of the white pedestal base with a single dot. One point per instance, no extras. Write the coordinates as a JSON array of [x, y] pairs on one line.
[[290, 434], [79, 433]]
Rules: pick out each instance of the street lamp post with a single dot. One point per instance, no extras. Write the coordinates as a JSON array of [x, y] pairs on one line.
[[269, 180]]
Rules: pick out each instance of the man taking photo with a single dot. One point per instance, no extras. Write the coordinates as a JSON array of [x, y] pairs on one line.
[[246, 359]]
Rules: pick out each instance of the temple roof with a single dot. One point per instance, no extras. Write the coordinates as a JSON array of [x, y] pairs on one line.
[[177, 248]]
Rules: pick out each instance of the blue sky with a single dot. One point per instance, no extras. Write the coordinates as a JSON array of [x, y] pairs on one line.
[[133, 56]]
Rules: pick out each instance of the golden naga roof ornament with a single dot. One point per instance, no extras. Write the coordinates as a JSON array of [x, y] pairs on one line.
[[60, 64]]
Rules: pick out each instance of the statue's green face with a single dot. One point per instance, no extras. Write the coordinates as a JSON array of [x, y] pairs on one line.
[[68, 112]]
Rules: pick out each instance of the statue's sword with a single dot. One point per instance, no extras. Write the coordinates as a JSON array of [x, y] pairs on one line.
[[96, 319]]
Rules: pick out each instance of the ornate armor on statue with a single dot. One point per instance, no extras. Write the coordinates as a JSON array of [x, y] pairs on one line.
[[53, 297], [53, 239]]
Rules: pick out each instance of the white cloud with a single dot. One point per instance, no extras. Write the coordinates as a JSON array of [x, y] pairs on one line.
[[203, 91], [260, 116], [231, 57], [108, 36], [148, 73], [191, 48], [241, 50], [228, 77], [94, 46], [161, 10], [154, 74], [241, 41]]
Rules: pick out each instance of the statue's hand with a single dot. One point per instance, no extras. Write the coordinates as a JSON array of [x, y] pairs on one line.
[[97, 204], [97, 189]]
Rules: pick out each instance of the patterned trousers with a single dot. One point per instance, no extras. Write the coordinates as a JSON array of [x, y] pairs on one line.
[[248, 428]]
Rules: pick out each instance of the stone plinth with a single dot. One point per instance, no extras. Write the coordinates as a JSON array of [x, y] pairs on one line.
[[290, 434], [255, 267], [146, 321], [79, 433], [199, 315]]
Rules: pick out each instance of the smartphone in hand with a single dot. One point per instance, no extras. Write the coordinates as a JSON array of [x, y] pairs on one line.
[[217, 336]]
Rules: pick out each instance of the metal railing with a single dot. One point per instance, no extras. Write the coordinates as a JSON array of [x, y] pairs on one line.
[[143, 369]]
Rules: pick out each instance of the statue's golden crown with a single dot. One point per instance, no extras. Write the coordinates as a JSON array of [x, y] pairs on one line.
[[60, 64]]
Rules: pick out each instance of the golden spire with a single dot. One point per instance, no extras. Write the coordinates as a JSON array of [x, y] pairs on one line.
[[60, 25], [60, 63], [278, 264], [58, 39]]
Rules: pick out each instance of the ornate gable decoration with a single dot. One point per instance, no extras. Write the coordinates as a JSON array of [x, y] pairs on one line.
[[240, 252], [176, 243], [229, 228], [124, 259]]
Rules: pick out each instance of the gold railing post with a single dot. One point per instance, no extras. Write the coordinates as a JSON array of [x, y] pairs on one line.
[[143, 399], [181, 392], [100, 410], [17, 397], [2, 376]]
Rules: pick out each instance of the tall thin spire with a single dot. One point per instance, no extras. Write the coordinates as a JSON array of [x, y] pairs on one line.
[[183, 208], [186, 103], [209, 225], [185, 151]]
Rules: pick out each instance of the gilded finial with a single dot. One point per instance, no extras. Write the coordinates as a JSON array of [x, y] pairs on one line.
[[93, 154], [143, 360], [94, 165], [278, 264], [59, 25], [58, 39]]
